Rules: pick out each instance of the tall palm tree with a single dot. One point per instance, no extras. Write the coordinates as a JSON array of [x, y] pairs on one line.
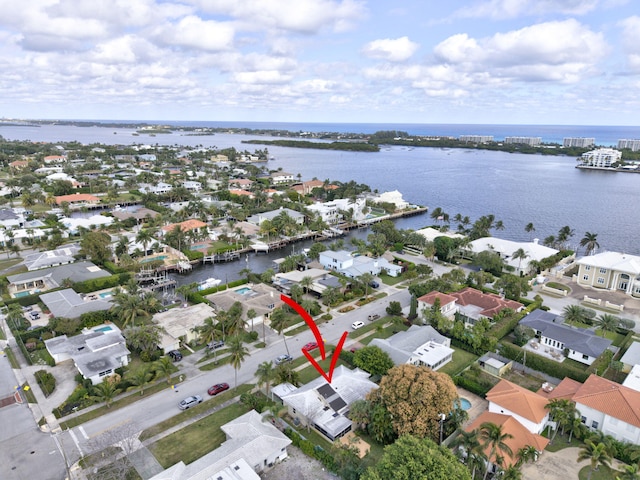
[[574, 313], [237, 354], [145, 237], [511, 473], [366, 279], [306, 282], [105, 392], [492, 436], [266, 374], [469, 447], [128, 308], [520, 255], [590, 242], [596, 453], [164, 367], [629, 472], [529, 228], [278, 323], [607, 323], [140, 377], [251, 315]]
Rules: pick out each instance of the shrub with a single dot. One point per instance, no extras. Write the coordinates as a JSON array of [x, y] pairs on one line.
[[46, 381]]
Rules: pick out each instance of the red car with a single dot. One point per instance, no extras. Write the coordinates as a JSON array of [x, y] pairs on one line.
[[310, 346], [216, 389]]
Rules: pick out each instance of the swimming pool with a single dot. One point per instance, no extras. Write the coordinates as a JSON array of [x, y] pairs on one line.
[[106, 328], [243, 290], [465, 404], [21, 294], [151, 259], [105, 294]]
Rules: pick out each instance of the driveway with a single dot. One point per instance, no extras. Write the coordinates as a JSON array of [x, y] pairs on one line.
[[560, 465]]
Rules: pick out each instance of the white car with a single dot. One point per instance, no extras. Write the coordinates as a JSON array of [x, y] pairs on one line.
[[190, 402], [357, 325]]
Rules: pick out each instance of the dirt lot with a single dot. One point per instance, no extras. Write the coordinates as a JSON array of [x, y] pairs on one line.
[[300, 467]]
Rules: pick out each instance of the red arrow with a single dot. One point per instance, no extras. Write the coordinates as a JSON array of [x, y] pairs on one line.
[[319, 340]]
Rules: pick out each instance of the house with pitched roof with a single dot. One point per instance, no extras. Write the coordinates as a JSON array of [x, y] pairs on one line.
[[610, 271], [420, 345], [186, 226], [468, 304], [325, 406], [579, 344], [527, 407], [631, 357], [353, 266], [506, 248], [78, 199], [252, 447]]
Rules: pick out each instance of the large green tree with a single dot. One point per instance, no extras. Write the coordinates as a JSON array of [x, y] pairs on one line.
[[96, 246], [413, 458], [373, 360]]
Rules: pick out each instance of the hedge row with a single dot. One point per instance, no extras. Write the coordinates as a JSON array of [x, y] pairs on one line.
[[505, 326], [545, 365], [102, 283], [46, 381]]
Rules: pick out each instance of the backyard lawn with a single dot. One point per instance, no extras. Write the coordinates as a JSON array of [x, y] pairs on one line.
[[461, 360]]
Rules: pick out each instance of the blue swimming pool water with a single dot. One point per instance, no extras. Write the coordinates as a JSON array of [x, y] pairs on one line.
[[151, 259], [105, 294], [21, 294], [465, 404], [106, 328], [243, 290]]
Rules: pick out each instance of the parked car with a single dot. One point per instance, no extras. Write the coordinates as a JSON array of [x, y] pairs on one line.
[[28, 308], [216, 389], [175, 355], [374, 284], [34, 315], [310, 346], [373, 316], [190, 402], [357, 325], [215, 344], [283, 359]]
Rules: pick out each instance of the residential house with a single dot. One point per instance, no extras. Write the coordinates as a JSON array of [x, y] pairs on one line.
[[527, 407], [10, 219], [69, 304], [579, 344], [37, 281], [19, 164], [78, 199], [243, 183], [260, 298], [355, 265], [506, 248], [394, 197], [495, 364], [321, 280], [281, 178], [179, 324], [252, 446], [633, 379], [96, 352], [325, 406], [54, 159], [448, 306], [187, 226], [73, 225], [258, 218], [60, 256], [430, 234], [159, 189], [631, 357], [419, 345], [241, 193], [305, 188], [610, 271], [192, 185], [334, 212]]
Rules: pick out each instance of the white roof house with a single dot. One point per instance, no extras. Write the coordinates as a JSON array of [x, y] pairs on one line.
[[610, 271], [73, 224], [394, 197], [325, 405], [68, 304], [96, 353], [332, 212], [252, 446], [631, 357], [430, 234], [59, 256], [180, 322], [420, 345], [505, 248], [354, 266]]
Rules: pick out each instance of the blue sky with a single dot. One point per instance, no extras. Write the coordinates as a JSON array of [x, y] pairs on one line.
[[407, 61]]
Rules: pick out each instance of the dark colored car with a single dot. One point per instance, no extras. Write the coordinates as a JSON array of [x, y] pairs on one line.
[[215, 344], [175, 355], [190, 402], [310, 346], [374, 284], [283, 359], [216, 389]]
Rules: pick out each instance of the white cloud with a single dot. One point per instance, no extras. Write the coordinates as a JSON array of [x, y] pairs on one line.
[[261, 77], [630, 28], [193, 32], [554, 51], [392, 50], [305, 16], [501, 9]]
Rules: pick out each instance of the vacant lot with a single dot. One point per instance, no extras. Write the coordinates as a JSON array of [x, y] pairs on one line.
[[300, 467]]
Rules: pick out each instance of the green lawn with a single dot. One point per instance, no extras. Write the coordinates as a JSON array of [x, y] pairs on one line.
[[196, 440], [386, 332], [461, 360], [561, 442], [310, 373]]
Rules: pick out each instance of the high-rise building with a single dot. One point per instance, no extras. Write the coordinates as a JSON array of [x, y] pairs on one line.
[[524, 140], [633, 145], [600, 157], [578, 142], [476, 138]]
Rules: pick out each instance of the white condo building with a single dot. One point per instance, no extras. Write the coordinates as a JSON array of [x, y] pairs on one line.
[[524, 140], [600, 157], [633, 145], [476, 138], [578, 142]]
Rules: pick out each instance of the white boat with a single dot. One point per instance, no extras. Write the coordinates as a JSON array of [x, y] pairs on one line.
[[209, 283]]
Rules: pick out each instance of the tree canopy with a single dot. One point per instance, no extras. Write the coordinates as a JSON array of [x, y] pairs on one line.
[[373, 360]]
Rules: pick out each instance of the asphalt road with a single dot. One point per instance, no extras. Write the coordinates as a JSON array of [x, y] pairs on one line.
[[151, 410]]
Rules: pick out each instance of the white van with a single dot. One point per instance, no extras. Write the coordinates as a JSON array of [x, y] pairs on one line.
[[357, 325]]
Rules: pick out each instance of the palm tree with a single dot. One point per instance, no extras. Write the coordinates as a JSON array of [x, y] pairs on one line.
[[492, 436], [209, 332], [574, 314], [279, 323], [105, 392], [251, 314], [266, 374], [128, 308], [596, 453], [437, 214], [139, 378], [590, 242], [529, 228], [306, 282], [237, 354], [607, 323], [630, 472], [527, 454], [366, 279], [511, 473], [164, 367], [145, 237], [520, 255], [185, 289]]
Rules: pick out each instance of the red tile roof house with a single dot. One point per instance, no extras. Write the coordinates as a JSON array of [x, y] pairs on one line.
[[521, 413], [185, 226], [470, 304], [78, 199], [607, 406]]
